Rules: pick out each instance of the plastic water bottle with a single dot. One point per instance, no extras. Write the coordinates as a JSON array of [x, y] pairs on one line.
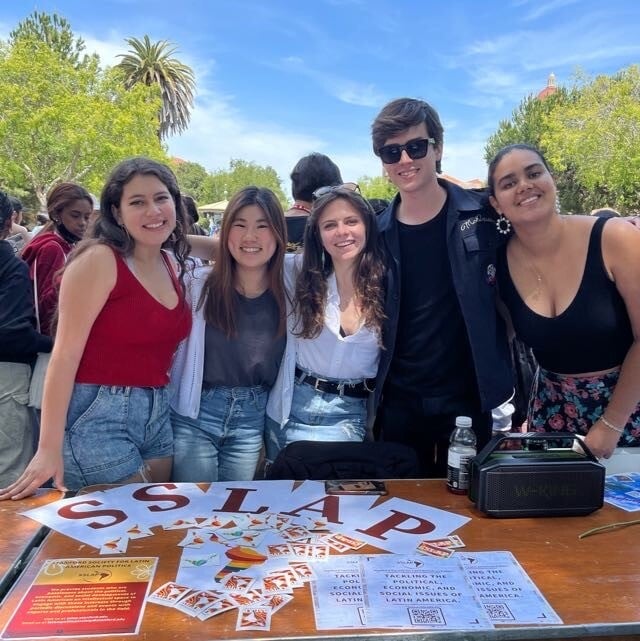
[[462, 448]]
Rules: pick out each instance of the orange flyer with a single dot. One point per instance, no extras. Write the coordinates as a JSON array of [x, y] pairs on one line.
[[84, 597]]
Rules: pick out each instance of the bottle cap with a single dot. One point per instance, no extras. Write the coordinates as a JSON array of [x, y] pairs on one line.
[[463, 421]]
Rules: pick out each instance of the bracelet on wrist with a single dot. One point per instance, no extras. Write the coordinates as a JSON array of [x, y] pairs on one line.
[[611, 426]]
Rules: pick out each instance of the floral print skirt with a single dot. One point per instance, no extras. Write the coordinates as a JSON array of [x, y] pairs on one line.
[[563, 403]]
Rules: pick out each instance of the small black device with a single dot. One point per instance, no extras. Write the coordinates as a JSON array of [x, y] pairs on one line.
[[534, 474], [340, 486]]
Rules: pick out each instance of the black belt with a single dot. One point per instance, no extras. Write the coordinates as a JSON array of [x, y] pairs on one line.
[[355, 390]]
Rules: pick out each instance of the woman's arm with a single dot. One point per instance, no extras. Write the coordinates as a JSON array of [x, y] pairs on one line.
[[85, 288], [204, 247], [621, 252]]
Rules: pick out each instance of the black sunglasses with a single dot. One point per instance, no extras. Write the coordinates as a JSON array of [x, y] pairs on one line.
[[323, 191], [416, 148]]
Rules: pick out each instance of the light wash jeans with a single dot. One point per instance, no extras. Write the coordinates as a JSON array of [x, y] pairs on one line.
[[317, 416], [225, 441], [112, 430]]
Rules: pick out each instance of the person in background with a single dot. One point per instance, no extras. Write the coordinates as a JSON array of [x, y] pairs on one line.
[[310, 173], [572, 288], [41, 221], [69, 208], [223, 372], [378, 204], [445, 345], [333, 347], [191, 209], [18, 235], [122, 313], [19, 345]]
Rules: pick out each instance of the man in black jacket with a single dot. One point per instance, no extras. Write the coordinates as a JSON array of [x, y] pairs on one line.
[[19, 345], [445, 347]]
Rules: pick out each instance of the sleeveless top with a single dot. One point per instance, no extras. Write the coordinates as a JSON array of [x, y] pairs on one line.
[[594, 333], [134, 337]]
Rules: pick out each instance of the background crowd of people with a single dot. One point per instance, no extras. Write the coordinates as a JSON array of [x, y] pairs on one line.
[[179, 356]]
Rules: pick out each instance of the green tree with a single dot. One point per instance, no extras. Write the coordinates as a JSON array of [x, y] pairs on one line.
[[590, 134], [222, 184], [59, 122], [191, 178], [594, 140], [527, 123], [56, 33], [377, 187], [151, 63]]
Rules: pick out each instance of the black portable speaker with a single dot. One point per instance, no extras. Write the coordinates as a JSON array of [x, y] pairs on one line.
[[534, 474]]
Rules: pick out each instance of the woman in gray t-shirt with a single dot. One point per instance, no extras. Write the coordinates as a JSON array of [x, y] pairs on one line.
[[224, 371]]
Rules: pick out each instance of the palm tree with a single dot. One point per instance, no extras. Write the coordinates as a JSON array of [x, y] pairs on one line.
[[151, 63]]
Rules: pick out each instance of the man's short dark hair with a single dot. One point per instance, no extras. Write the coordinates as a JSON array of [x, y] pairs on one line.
[[401, 114], [311, 172]]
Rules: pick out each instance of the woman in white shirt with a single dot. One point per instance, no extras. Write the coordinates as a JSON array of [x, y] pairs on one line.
[[333, 345]]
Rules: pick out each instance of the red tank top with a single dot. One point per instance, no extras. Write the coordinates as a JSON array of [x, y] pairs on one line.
[[134, 337]]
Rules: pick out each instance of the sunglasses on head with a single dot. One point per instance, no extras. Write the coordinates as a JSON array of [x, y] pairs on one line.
[[323, 191], [416, 148]]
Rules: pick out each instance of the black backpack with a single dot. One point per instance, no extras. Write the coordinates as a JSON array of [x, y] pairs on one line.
[[317, 460]]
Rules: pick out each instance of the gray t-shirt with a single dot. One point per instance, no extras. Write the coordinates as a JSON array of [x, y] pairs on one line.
[[253, 356]]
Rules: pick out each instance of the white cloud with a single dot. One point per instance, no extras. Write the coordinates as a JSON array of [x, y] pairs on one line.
[[344, 89], [218, 132], [107, 48], [544, 8]]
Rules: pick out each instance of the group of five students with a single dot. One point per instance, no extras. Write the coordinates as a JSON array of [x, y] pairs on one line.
[[395, 316]]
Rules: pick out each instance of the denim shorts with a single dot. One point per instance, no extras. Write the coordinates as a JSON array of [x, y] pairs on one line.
[[111, 431], [225, 441], [317, 416]]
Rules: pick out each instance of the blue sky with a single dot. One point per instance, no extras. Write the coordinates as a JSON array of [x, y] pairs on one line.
[[278, 79]]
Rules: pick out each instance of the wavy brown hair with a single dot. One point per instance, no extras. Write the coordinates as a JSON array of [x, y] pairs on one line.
[[107, 231], [219, 297], [317, 265]]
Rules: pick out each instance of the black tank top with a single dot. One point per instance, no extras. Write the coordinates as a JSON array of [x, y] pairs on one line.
[[593, 333]]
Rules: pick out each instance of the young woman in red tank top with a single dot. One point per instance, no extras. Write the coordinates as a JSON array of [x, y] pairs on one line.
[[122, 312], [572, 287]]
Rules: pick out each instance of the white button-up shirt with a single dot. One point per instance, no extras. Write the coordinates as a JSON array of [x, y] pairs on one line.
[[329, 355]]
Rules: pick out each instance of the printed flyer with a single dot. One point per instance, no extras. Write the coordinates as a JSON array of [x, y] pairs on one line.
[[78, 597]]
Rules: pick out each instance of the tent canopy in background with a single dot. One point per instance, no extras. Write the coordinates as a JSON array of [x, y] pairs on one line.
[[214, 208]]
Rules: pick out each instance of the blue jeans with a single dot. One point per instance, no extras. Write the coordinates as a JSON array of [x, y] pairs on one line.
[[317, 416], [225, 441], [111, 431]]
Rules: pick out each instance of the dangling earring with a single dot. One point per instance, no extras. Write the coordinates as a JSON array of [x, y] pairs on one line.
[[503, 224], [557, 204]]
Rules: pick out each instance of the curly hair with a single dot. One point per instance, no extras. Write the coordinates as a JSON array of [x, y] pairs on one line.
[[218, 299], [368, 276], [107, 231]]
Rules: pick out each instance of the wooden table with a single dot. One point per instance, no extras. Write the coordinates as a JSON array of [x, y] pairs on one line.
[[593, 584], [19, 535]]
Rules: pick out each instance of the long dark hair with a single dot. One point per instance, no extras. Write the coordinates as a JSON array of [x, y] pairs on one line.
[[219, 296], [317, 265], [106, 229]]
